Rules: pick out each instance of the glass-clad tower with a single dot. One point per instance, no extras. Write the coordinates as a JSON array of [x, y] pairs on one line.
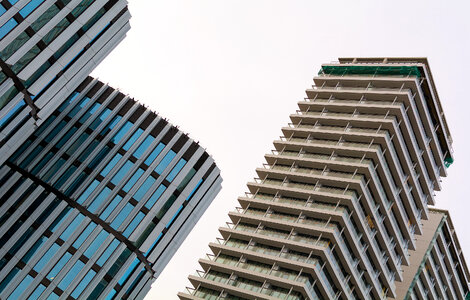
[[97, 200], [96, 191], [340, 209], [47, 48]]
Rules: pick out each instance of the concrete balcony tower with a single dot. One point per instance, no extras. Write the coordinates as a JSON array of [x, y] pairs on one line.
[[340, 208]]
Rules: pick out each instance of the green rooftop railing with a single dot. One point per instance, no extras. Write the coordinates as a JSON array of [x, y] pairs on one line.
[[370, 70]]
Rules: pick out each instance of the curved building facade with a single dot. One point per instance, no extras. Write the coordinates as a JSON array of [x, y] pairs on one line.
[[47, 48], [97, 200]]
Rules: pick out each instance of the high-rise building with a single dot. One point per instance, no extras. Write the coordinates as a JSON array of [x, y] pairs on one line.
[[97, 200], [47, 48], [340, 209], [96, 191]]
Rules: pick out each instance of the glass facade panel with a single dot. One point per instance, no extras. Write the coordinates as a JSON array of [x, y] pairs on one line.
[[122, 215], [28, 8], [37, 292], [149, 160], [72, 273], [40, 242], [99, 200], [176, 169], [46, 258], [89, 112], [144, 188], [111, 164], [103, 115], [133, 225], [59, 266], [144, 146], [122, 172], [120, 134], [133, 138], [155, 196], [95, 245], [83, 284], [133, 180], [9, 278], [111, 125], [165, 162], [84, 235], [111, 206], [72, 227], [7, 27], [107, 253]]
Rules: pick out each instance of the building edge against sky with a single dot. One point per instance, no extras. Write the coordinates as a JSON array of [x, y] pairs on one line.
[[98, 191], [340, 208]]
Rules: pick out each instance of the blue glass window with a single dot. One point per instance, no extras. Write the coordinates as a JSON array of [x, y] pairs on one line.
[[21, 287], [154, 154], [111, 125], [133, 180], [195, 189], [133, 138], [133, 225], [144, 188], [176, 170], [58, 221], [72, 227], [28, 8], [93, 207], [165, 162], [88, 191], [54, 169], [107, 253], [124, 129], [83, 284], [9, 278], [69, 100], [122, 215], [2, 10], [11, 114], [111, 164], [66, 137], [122, 172], [58, 128], [72, 273], [53, 296], [98, 158], [103, 115], [136, 280], [92, 146], [7, 27], [62, 179], [111, 206], [41, 241], [79, 142], [37, 292], [111, 294], [86, 233], [129, 271], [90, 112], [174, 217], [59, 266], [155, 196], [95, 245], [47, 256], [143, 146], [153, 245], [78, 107]]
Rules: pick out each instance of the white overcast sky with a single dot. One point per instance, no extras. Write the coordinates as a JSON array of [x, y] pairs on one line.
[[230, 72]]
